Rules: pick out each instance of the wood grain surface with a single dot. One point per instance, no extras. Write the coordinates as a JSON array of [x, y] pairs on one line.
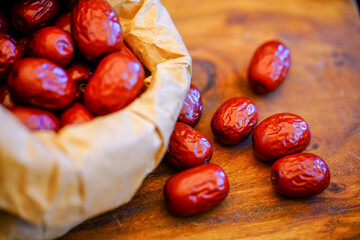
[[323, 86]]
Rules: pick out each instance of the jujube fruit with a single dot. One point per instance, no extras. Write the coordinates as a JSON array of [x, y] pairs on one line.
[[96, 29], [10, 52], [36, 119], [196, 190], [280, 135], [52, 43], [300, 175], [75, 114], [30, 15], [116, 82], [42, 83], [188, 147], [191, 110], [234, 120], [268, 67]]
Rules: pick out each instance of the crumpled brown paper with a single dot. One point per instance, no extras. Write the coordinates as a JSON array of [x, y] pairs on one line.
[[50, 182]]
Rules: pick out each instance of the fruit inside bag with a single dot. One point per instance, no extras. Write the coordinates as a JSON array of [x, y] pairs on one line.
[[50, 182]]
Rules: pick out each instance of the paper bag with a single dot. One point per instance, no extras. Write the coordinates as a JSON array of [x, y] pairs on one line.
[[50, 182]]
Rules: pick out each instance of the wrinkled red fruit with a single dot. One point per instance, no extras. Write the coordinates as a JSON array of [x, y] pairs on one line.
[[30, 15], [196, 190], [192, 108], [268, 67], [75, 114], [234, 120], [4, 23], [10, 52], [280, 135], [42, 83], [96, 29], [117, 81], [63, 22], [36, 119], [52, 43], [300, 175], [188, 148], [5, 98]]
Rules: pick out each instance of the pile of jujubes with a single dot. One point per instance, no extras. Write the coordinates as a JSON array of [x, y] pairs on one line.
[[65, 62]]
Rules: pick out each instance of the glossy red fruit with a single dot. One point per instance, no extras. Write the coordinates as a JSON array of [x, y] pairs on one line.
[[280, 135], [192, 108], [36, 119], [234, 120], [30, 15], [300, 175], [52, 43], [5, 98], [40, 82], [10, 52], [268, 67], [63, 22], [196, 190], [4, 23], [188, 148], [96, 29], [117, 81], [75, 114]]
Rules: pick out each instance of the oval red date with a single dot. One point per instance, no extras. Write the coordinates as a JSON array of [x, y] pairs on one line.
[[40, 82], [96, 29], [188, 148], [268, 67], [52, 43], [233, 122], [192, 108], [196, 190], [10, 52], [75, 114], [300, 175], [280, 135], [30, 15], [36, 119], [117, 81]]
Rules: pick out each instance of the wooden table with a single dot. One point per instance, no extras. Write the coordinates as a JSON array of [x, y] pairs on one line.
[[323, 86]]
